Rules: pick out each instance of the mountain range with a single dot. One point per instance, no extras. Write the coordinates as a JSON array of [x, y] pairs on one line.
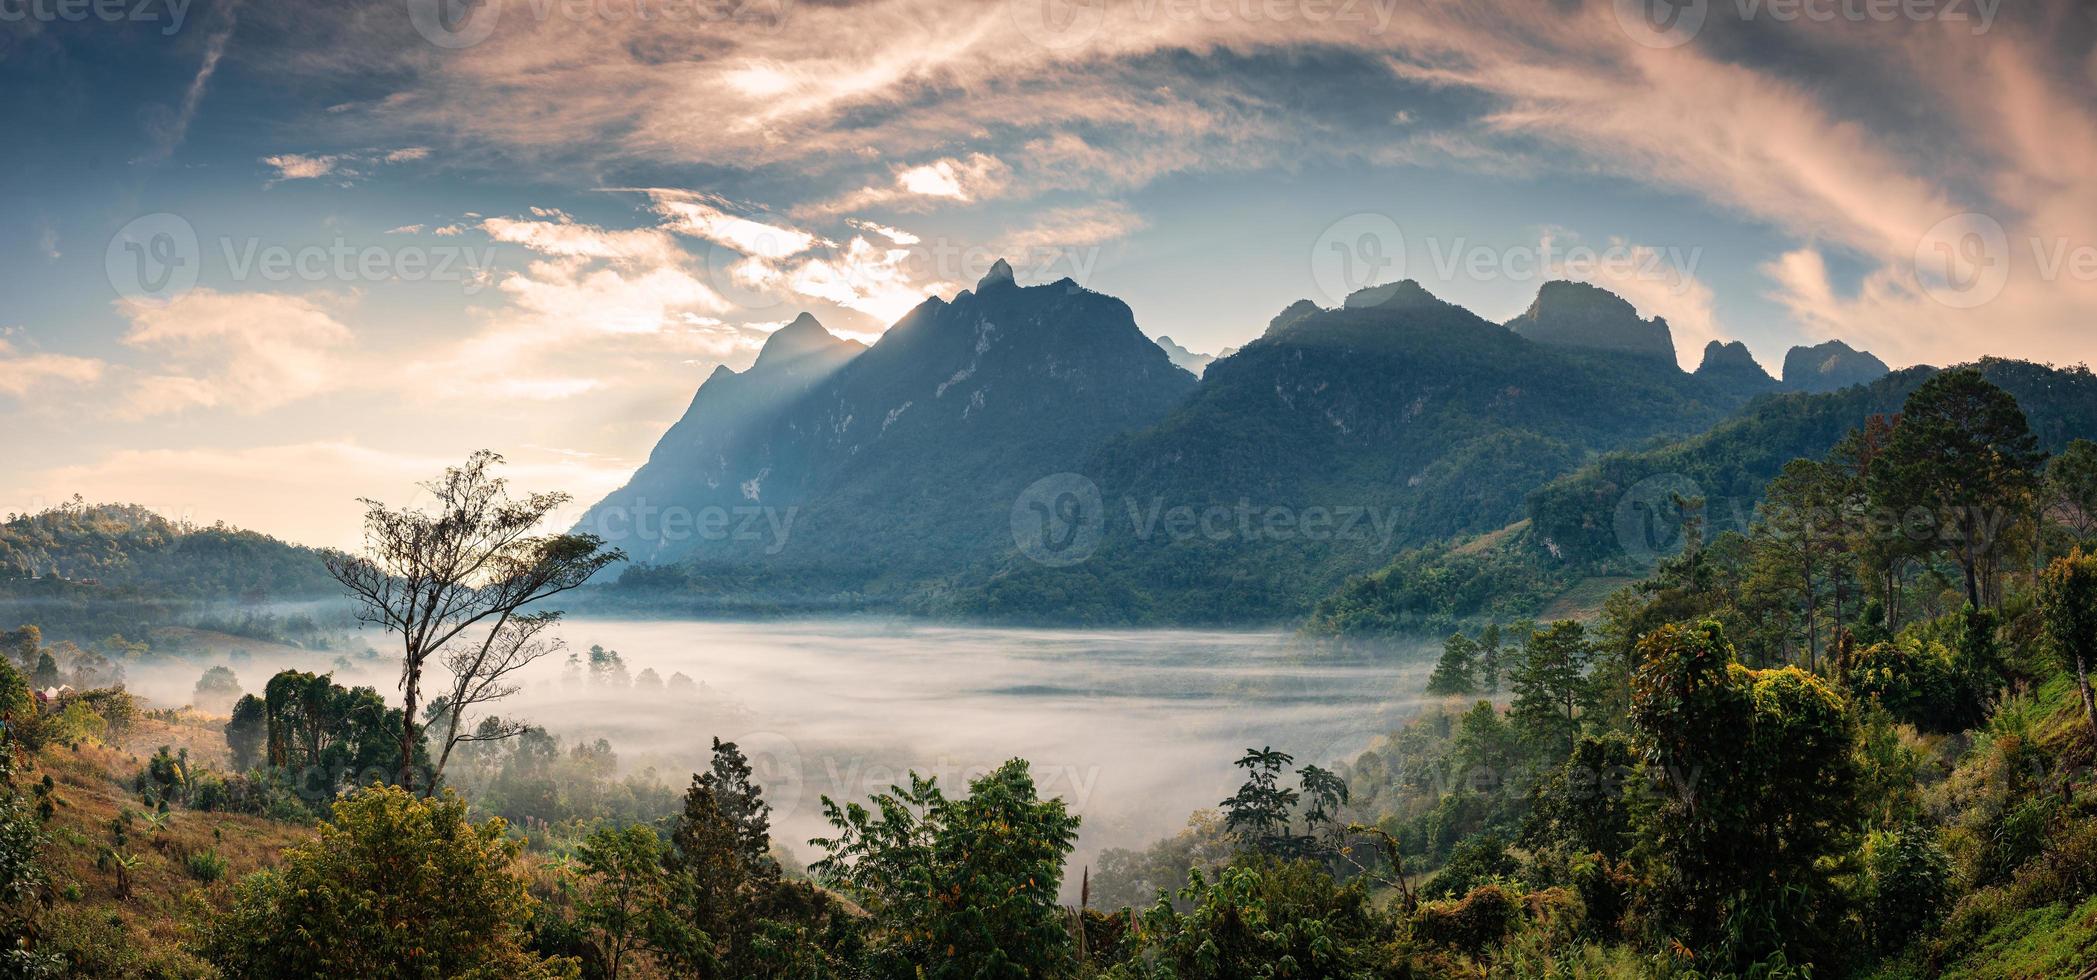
[[1025, 452]]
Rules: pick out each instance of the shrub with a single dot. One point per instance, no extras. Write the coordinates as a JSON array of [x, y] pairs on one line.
[[1472, 924], [1908, 884], [393, 886], [206, 866]]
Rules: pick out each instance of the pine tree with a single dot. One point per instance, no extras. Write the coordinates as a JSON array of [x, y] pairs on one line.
[[1550, 684], [1457, 672]]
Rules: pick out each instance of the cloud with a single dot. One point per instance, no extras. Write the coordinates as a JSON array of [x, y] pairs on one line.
[[297, 166], [553, 233], [592, 303], [701, 217], [1763, 120], [344, 166], [862, 276], [170, 134], [21, 373], [245, 351], [1077, 227]]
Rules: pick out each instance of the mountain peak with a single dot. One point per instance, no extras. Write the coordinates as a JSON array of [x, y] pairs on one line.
[[1829, 366], [1292, 313], [805, 335], [1728, 358], [1192, 362], [1400, 294], [1000, 272], [1578, 314], [1729, 368]]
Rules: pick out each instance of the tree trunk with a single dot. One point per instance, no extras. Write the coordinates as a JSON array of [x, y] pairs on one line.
[[2082, 681], [407, 726]]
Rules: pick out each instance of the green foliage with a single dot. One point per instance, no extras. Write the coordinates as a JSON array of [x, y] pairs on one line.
[[1436, 587], [2070, 493], [1125, 877], [1963, 453], [1479, 861], [325, 737], [2068, 590], [533, 778], [1457, 672], [627, 896], [394, 886], [956, 888], [1585, 805], [1550, 684], [1471, 925], [247, 733], [1907, 882], [731, 911], [1760, 790], [205, 866], [217, 690], [1919, 684], [1262, 918]]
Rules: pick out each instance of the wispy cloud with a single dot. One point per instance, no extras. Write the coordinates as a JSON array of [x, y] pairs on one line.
[[244, 351], [169, 134]]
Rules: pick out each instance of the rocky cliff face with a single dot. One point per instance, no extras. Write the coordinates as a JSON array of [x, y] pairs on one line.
[[1830, 366], [1730, 368], [1575, 314]]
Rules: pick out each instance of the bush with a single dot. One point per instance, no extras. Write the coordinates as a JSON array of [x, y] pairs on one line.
[[206, 866], [1908, 886], [393, 886], [1471, 925]]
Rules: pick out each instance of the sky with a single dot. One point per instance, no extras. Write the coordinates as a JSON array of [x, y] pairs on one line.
[[258, 260]]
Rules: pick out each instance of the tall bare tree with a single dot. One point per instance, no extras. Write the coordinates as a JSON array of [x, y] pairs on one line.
[[466, 564], [480, 674]]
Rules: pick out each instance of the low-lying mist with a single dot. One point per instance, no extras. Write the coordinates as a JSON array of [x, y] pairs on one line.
[[1135, 729]]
